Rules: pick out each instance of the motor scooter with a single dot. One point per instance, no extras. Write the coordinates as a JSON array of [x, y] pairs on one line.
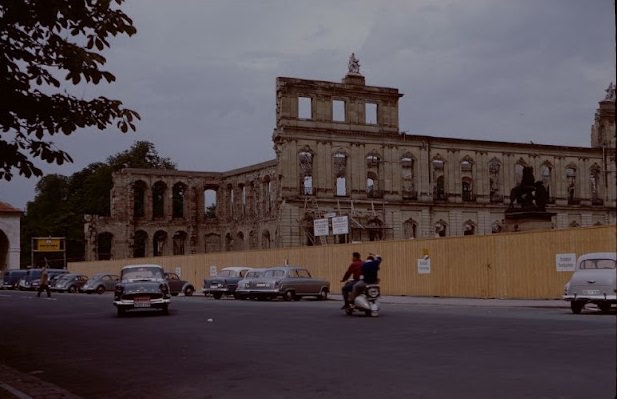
[[366, 301]]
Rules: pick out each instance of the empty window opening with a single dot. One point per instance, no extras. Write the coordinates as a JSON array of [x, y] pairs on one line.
[[370, 114], [338, 110], [210, 203], [305, 108]]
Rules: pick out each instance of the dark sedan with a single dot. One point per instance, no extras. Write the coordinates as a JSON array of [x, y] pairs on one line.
[[177, 285], [142, 287]]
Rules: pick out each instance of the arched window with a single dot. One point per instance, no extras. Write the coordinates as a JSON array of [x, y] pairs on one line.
[[469, 228], [305, 159], [410, 228], [179, 241], [467, 179], [438, 172], [212, 243], [239, 242], [104, 246], [408, 188], [140, 242], [158, 200], [571, 184], [546, 176], [495, 180], [178, 193], [159, 242], [139, 199], [265, 239], [340, 170], [594, 176], [210, 203], [373, 189], [253, 242], [441, 228]]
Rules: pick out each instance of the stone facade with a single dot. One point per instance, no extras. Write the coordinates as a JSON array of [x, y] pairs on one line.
[[10, 241], [339, 151]]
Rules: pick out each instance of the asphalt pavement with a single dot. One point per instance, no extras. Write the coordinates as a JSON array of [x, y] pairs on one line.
[[18, 385]]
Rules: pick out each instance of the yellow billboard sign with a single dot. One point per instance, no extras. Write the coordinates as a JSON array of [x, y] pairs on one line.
[[48, 244]]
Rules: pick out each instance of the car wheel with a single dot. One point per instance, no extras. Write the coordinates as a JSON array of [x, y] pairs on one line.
[[217, 295], [100, 289], [72, 289], [121, 311], [576, 306], [289, 295], [188, 291], [348, 311], [174, 294], [165, 309], [323, 294]]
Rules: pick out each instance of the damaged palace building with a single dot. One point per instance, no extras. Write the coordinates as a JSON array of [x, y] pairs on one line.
[[340, 156]]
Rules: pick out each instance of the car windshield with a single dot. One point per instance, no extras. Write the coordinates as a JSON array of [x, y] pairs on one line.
[[142, 273], [274, 273], [598, 264], [254, 274], [227, 273]]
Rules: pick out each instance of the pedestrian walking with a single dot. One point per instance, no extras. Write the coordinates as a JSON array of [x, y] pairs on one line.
[[44, 283]]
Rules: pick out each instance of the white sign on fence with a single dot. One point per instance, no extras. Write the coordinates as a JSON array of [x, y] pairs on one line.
[[212, 271], [340, 225], [321, 227], [565, 262], [179, 271], [424, 266]]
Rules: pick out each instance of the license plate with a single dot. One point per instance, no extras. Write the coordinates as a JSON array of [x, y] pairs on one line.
[[142, 302], [214, 286], [260, 285], [591, 292]]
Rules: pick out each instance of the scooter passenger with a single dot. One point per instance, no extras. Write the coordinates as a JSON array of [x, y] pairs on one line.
[[354, 270], [370, 270]]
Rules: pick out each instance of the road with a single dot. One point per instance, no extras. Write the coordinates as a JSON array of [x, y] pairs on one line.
[[307, 349]]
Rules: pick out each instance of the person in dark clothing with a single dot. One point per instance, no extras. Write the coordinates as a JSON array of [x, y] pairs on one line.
[[44, 283], [370, 270], [354, 271]]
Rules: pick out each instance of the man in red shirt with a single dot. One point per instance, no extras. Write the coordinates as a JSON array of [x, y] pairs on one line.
[[354, 271]]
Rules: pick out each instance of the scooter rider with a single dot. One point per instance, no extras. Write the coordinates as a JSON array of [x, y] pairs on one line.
[[370, 270], [354, 270]]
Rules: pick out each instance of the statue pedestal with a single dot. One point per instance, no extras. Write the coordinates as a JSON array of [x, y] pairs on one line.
[[519, 220], [354, 79]]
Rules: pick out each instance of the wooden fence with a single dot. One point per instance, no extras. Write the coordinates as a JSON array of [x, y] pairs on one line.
[[506, 265]]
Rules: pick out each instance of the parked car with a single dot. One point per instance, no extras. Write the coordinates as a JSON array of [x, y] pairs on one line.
[[100, 282], [594, 281], [225, 282], [142, 286], [289, 282], [32, 279], [243, 291], [10, 279], [69, 282], [177, 285]]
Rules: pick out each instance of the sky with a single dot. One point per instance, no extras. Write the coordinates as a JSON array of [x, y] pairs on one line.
[[201, 73]]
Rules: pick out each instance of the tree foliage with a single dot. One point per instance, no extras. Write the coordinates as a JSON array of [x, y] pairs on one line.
[[61, 202], [45, 47]]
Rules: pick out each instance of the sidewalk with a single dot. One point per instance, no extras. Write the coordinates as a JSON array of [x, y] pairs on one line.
[[17, 385]]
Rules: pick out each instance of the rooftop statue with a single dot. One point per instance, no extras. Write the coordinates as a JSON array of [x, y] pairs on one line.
[[354, 65]]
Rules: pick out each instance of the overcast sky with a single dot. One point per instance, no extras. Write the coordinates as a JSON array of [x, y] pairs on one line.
[[202, 73]]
